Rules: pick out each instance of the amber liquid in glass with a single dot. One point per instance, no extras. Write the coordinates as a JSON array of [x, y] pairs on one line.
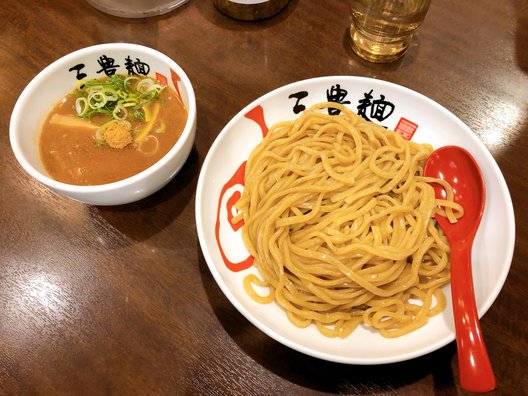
[[382, 30]]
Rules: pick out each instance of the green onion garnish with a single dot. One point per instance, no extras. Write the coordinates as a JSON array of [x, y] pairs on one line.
[[113, 96]]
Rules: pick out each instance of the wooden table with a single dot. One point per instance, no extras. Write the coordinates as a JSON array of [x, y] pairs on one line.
[[119, 300]]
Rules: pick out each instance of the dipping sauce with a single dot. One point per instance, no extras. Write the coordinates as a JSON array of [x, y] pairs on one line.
[[110, 129]]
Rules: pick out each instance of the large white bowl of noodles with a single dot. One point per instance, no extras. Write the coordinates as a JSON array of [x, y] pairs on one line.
[[60, 77], [395, 107]]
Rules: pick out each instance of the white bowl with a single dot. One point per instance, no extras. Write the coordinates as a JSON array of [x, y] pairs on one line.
[[136, 8], [396, 108], [59, 78]]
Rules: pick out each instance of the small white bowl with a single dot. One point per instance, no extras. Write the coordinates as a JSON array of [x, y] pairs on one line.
[[59, 78]]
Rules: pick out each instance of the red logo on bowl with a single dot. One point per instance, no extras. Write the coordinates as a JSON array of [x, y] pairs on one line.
[[175, 79], [229, 195], [406, 128], [161, 78]]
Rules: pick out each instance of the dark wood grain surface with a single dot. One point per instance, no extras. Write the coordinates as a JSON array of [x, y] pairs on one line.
[[119, 300]]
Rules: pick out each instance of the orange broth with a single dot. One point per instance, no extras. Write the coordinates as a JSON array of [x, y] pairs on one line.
[[70, 155]]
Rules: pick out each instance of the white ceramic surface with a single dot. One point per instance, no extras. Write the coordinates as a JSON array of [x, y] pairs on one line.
[[387, 104], [136, 8], [59, 78]]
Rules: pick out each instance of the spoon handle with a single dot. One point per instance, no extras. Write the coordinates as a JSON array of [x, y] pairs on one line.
[[476, 373]]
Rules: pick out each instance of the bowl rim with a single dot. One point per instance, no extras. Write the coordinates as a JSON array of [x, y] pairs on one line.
[[129, 181]]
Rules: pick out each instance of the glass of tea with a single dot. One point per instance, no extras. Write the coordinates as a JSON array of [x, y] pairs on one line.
[[382, 30]]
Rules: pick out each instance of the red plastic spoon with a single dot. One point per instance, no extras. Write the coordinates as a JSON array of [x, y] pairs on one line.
[[455, 165]]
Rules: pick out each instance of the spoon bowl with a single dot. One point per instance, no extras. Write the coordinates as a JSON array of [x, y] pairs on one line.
[[456, 166]]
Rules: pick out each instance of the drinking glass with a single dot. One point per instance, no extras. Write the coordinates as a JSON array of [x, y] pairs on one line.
[[382, 30]]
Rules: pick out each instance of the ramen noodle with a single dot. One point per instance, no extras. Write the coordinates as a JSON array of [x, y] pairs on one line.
[[340, 222]]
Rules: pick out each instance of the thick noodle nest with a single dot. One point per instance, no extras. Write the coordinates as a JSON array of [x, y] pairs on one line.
[[341, 225]]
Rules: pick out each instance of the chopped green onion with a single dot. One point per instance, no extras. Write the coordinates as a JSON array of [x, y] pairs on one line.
[[120, 113], [121, 94], [110, 94], [81, 106], [96, 100], [118, 96], [127, 80], [99, 143]]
